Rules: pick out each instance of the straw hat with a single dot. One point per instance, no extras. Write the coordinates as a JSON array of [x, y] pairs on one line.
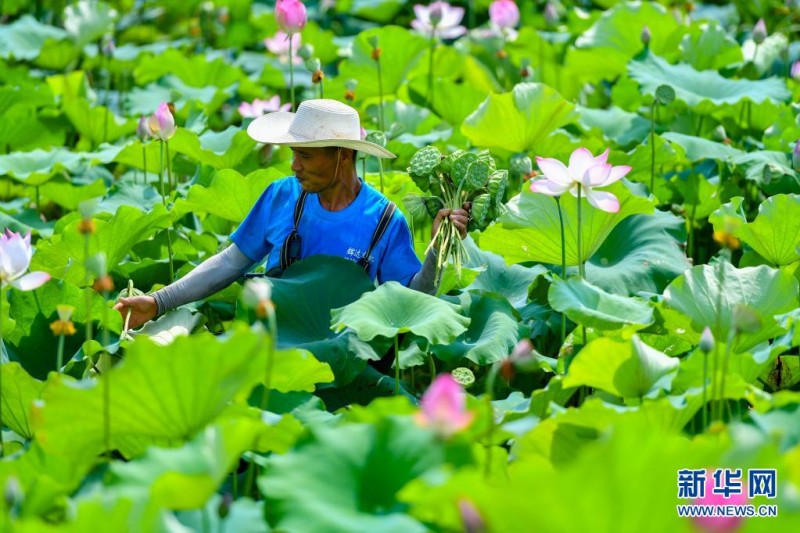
[[317, 123]]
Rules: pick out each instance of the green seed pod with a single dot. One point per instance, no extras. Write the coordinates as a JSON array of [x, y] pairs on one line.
[[477, 175], [446, 165], [480, 208], [463, 376], [665, 94], [432, 205], [424, 162], [461, 165], [520, 165], [498, 182]]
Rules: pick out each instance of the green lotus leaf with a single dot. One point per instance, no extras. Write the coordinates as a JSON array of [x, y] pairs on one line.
[[615, 124], [347, 478], [98, 124], [69, 194], [171, 325], [704, 90], [382, 11], [37, 166], [453, 101], [616, 36], [697, 148], [519, 120], [160, 395], [769, 170], [707, 294], [392, 309], [493, 331], [184, 478], [244, 516], [143, 101], [230, 195], [114, 237], [775, 232], [225, 149], [21, 131], [625, 369], [23, 39], [19, 392], [32, 342], [195, 70], [592, 307], [530, 231], [709, 47], [405, 48], [304, 297], [642, 253], [87, 21]]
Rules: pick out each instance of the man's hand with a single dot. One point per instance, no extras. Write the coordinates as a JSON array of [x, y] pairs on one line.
[[142, 308], [459, 217]]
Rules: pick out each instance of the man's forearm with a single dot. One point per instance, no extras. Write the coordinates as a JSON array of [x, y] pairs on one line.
[[213, 274], [423, 280]]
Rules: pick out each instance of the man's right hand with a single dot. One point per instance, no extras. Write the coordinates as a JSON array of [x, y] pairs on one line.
[[142, 309]]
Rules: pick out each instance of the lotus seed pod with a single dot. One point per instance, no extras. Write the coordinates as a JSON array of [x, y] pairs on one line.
[[351, 84], [460, 166], [425, 161], [446, 165], [477, 176], [480, 208], [313, 64], [463, 376], [665, 94], [520, 165], [306, 52], [498, 182]]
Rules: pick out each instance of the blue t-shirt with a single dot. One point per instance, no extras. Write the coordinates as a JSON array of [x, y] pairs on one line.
[[346, 233]]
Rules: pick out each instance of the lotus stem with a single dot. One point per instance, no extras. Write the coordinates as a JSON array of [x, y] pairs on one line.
[[172, 184], [563, 265], [164, 200], [705, 387], [38, 200], [731, 338], [491, 378], [380, 171], [690, 236], [2, 446], [86, 278], [127, 316], [106, 381], [144, 163], [60, 354], [380, 98], [431, 365], [271, 349], [396, 367], [429, 96], [580, 231], [652, 147], [291, 71]]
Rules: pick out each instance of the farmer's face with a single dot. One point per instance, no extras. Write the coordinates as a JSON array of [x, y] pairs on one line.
[[315, 167]]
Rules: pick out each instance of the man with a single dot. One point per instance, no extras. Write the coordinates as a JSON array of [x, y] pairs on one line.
[[325, 208]]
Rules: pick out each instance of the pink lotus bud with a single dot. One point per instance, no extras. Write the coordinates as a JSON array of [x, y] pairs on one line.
[[162, 123], [436, 13], [719, 524], [504, 13], [15, 258], [646, 35], [143, 130], [796, 157], [550, 14], [759, 31], [444, 407], [291, 15], [796, 70], [470, 517]]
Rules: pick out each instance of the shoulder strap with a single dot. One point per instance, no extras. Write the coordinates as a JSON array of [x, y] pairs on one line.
[[380, 229], [290, 251]]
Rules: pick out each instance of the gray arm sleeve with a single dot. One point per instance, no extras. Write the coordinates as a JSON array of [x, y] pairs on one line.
[[423, 280], [213, 274]]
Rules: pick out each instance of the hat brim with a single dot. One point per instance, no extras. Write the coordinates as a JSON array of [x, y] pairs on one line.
[[273, 128]]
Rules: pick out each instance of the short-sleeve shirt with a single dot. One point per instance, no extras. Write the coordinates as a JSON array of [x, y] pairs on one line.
[[345, 233]]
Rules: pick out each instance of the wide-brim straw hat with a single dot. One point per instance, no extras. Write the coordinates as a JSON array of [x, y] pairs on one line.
[[317, 123]]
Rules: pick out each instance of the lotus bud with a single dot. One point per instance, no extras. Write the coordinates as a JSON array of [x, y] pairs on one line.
[[719, 134], [306, 51], [435, 14], [795, 72], [551, 14], [162, 123], [504, 13], [257, 295], [470, 517], [745, 319], [759, 32], [377, 137], [444, 407], [520, 164], [143, 130], [291, 15], [706, 341], [646, 35], [796, 156]]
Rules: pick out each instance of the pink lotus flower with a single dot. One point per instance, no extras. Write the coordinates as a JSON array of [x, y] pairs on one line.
[[143, 130], [759, 31], [444, 407], [719, 524], [440, 18], [795, 72], [291, 15], [262, 107], [15, 258], [278, 44], [504, 13], [584, 169], [162, 123]]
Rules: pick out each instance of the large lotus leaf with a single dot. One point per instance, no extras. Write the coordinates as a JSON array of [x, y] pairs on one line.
[[642, 253], [519, 120], [169, 326], [704, 90], [629, 369], [63, 255], [144, 100], [23, 39], [230, 195], [19, 392], [69, 194], [615, 37], [392, 309], [530, 231], [592, 307], [194, 70], [511, 282], [304, 297], [401, 50], [708, 294], [768, 169], [492, 333], [225, 149], [37, 166], [98, 124], [161, 394], [382, 11], [23, 129], [615, 124], [709, 47], [452, 101], [697, 148], [46, 478], [775, 232], [139, 195], [89, 20], [347, 478], [184, 478], [244, 516], [32, 341]]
